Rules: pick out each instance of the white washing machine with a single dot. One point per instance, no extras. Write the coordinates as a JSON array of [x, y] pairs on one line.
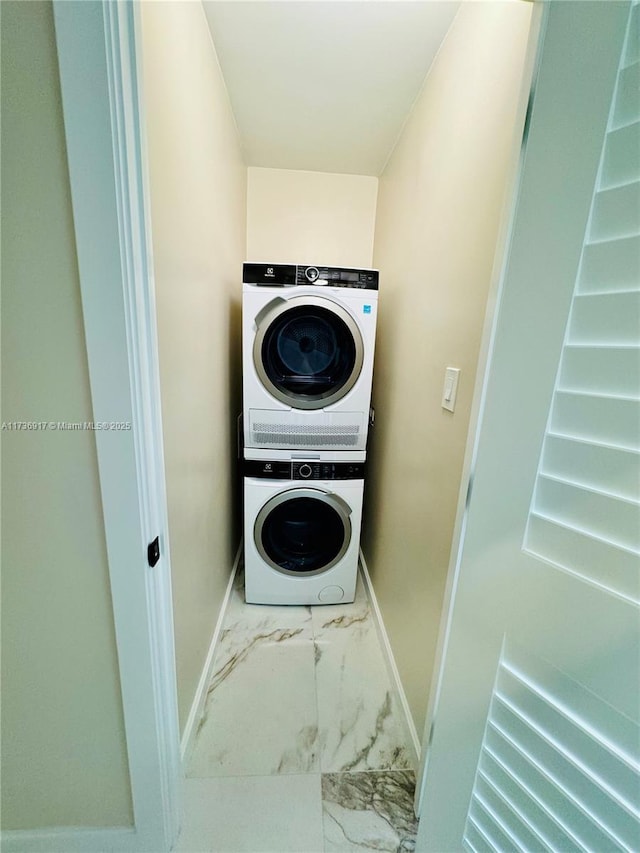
[[308, 338], [302, 531]]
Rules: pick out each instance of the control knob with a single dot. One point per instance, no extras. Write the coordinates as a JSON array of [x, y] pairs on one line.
[[305, 471], [312, 274]]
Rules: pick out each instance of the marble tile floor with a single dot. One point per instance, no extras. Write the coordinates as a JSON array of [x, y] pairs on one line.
[[302, 746]]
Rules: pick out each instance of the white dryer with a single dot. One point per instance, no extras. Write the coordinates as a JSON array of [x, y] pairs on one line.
[[302, 531], [308, 344]]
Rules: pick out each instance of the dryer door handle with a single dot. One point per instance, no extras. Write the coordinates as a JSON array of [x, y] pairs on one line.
[[266, 309]]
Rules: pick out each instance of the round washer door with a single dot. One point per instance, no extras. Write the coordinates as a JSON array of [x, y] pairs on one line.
[[308, 351], [303, 532]]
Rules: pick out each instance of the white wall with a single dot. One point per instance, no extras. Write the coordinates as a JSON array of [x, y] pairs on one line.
[[198, 207], [64, 757], [310, 217], [439, 207]]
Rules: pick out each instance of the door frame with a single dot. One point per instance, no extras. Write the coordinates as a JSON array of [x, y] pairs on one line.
[[100, 82]]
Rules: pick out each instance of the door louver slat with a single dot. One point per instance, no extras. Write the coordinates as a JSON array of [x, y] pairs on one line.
[[615, 213], [567, 547], [474, 841], [621, 151], [619, 732], [490, 828], [595, 466], [627, 108], [607, 319], [535, 784], [503, 809], [613, 370], [540, 822], [555, 783], [598, 418], [558, 762], [572, 771], [612, 519], [610, 266], [572, 740]]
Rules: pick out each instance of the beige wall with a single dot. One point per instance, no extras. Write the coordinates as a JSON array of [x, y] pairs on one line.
[[439, 206], [63, 748], [310, 217], [198, 208]]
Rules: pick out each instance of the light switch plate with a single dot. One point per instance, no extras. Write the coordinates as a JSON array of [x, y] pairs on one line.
[[450, 390]]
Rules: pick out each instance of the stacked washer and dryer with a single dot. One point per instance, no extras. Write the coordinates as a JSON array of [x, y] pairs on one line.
[[308, 337]]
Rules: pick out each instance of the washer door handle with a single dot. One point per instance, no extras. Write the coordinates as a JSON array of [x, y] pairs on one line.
[[338, 503]]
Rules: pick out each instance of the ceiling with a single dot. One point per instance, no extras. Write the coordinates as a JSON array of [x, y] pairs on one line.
[[325, 85]]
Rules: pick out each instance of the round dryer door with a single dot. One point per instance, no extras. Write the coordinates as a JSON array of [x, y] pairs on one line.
[[303, 531], [308, 351]]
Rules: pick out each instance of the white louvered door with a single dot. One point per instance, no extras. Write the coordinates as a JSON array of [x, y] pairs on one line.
[[535, 742]]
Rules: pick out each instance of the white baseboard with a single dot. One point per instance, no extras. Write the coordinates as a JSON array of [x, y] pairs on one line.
[[71, 839], [197, 706], [391, 662]]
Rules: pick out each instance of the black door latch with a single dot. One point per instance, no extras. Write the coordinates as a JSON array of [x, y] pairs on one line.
[[153, 551]]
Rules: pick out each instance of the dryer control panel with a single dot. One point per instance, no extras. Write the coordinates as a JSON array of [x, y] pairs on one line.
[[289, 275], [311, 470]]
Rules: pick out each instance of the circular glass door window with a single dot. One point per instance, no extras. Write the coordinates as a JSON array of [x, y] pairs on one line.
[[302, 532], [308, 355]]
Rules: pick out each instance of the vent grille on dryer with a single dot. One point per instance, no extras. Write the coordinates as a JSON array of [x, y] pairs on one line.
[[304, 435]]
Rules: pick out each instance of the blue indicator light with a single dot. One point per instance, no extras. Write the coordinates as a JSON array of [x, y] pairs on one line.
[[367, 309]]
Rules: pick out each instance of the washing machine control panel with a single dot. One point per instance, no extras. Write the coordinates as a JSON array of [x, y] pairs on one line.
[[288, 275], [304, 470], [327, 470]]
